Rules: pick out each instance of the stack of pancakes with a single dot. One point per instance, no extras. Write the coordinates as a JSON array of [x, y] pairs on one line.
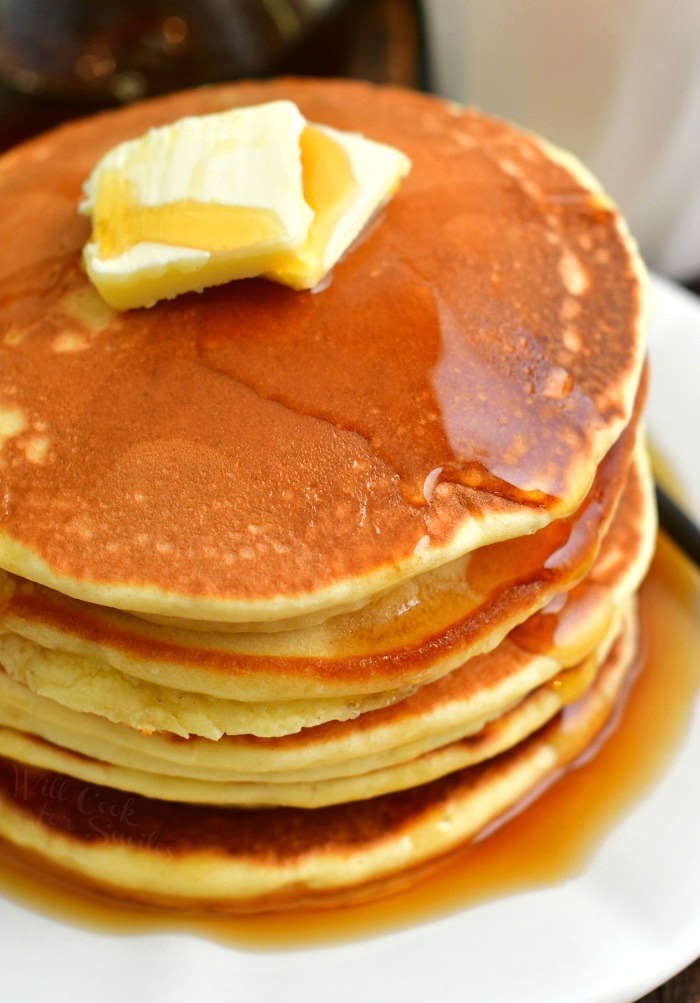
[[301, 590]]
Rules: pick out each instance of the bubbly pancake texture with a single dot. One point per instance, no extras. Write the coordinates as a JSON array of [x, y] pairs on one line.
[[255, 453]]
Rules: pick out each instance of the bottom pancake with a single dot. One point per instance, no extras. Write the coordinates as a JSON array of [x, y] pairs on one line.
[[188, 855]]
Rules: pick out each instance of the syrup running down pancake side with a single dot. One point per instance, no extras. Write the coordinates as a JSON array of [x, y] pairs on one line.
[[553, 836]]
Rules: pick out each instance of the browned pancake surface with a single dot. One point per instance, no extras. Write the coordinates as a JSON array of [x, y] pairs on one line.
[[254, 441]]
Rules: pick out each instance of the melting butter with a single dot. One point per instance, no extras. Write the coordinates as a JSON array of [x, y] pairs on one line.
[[202, 201], [253, 191], [346, 179], [205, 226]]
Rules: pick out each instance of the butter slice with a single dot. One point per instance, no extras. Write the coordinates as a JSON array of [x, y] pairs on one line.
[[197, 203], [346, 179], [252, 191]]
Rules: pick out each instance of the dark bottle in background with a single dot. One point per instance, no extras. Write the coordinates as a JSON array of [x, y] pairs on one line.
[[63, 58], [109, 51]]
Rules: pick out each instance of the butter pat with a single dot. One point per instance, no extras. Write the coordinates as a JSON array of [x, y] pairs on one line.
[[248, 192], [196, 203], [346, 179]]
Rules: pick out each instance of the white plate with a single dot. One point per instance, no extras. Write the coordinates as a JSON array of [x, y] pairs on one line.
[[624, 925]]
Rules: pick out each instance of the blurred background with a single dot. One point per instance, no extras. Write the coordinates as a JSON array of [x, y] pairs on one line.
[[61, 58], [616, 81]]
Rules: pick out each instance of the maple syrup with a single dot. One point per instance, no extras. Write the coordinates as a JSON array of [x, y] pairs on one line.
[[554, 836]]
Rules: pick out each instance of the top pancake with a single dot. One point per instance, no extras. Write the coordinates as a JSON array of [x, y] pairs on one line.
[[253, 453]]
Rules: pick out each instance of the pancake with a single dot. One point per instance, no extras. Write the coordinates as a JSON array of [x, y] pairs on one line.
[[90, 661], [246, 859], [501, 270], [476, 712], [412, 764], [299, 590], [574, 626]]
